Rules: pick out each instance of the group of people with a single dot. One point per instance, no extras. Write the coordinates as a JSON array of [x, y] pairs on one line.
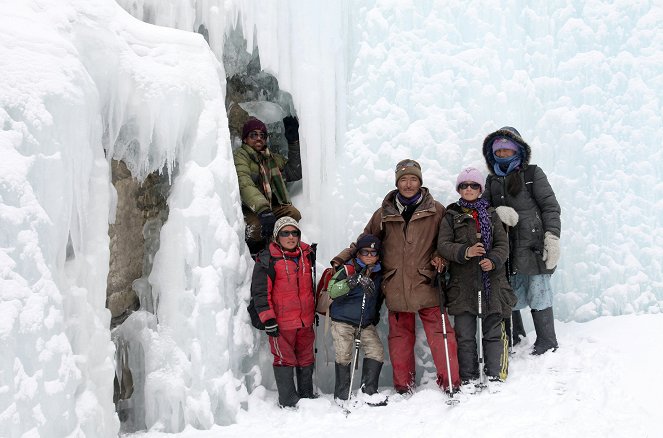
[[481, 259]]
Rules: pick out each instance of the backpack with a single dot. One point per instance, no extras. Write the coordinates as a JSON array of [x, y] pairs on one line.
[[322, 298]]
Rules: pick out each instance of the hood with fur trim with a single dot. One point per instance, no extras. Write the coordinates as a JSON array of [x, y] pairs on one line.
[[513, 135]]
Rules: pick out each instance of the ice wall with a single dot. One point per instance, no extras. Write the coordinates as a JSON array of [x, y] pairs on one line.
[[580, 81], [84, 82]]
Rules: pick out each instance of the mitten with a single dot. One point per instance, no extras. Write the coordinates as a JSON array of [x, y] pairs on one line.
[[353, 280], [267, 221], [291, 125], [507, 215], [272, 328], [551, 251]]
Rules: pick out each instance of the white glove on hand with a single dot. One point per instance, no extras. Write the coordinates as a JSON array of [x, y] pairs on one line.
[[550, 250], [507, 215]]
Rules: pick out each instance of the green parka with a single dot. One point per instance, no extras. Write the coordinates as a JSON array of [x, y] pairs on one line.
[[250, 183]]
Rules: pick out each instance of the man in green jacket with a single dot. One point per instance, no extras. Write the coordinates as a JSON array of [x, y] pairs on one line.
[[262, 175]]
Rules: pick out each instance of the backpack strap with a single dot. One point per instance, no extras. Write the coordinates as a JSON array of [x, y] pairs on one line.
[[529, 179]]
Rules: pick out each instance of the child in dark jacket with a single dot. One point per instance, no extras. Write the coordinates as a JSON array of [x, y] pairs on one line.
[[355, 290], [473, 240], [282, 290]]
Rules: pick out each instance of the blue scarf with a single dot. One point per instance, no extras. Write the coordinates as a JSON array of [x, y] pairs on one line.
[[509, 163], [376, 267], [485, 225]]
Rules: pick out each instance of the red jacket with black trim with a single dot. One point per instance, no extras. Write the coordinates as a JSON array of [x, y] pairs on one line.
[[282, 286]]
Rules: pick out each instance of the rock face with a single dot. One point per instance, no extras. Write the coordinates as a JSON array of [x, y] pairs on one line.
[[138, 204]]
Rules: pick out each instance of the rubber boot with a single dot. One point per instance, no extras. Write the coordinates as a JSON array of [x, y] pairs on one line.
[[544, 324], [305, 381], [370, 375], [518, 327], [285, 383], [255, 246], [342, 384]]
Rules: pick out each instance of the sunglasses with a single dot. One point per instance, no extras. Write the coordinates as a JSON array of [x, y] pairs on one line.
[[368, 252], [473, 186], [407, 163], [293, 233], [258, 134]]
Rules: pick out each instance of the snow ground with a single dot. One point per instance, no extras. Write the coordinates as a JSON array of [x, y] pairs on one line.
[[603, 381]]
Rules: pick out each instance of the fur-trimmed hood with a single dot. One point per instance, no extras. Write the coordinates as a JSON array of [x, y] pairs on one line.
[[513, 135]]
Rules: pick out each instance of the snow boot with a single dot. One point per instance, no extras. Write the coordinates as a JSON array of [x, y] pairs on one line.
[[342, 384], [544, 325], [285, 383], [518, 327], [370, 375], [305, 381]]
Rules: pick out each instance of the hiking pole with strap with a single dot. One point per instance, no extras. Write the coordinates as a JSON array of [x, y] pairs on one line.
[[440, 286], [482, 374]]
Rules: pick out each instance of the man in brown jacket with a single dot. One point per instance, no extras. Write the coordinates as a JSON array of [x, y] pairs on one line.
[[407, 223]]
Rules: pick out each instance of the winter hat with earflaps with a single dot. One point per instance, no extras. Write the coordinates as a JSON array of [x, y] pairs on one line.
[[471, 174], [281, 223], [408, 167]]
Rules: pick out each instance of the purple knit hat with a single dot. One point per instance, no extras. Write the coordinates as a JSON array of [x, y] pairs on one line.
[[471, 174], [253, 124], [505, 143]]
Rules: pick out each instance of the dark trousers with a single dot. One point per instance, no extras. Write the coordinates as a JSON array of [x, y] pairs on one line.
[[495, 346]]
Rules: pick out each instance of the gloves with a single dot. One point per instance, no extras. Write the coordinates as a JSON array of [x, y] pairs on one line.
[[291, 125], [267, 221], [353, 280], [367, 284], [550, 250], [507, 215], [272, 328]]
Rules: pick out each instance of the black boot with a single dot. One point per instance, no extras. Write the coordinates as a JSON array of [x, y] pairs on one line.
[[255, 246], [544, 324], [370, 375], [305, 381], [518, 327], [342, 384], [285, 383]]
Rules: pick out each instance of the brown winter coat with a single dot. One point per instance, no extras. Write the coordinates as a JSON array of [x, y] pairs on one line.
[[457, 233], [407, 282]]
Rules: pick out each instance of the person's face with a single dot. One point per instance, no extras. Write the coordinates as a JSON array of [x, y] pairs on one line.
[[257, 140], [408, 185], [504, 153], [368, 256], [469, 190], [289, 237]]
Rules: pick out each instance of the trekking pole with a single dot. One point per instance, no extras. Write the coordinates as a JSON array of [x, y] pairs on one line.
[[508, 279], [357, 339], [482, 374], [316, 320], [452, 401]]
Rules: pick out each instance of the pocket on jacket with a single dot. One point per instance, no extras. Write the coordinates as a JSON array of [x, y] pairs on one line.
[[428, 274]]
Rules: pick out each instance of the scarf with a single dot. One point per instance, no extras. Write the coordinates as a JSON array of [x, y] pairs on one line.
[[479, 211], [270, 175], [504, 166]]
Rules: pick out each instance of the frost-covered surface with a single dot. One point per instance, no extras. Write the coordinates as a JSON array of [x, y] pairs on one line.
[[604, 381], [372, 83]]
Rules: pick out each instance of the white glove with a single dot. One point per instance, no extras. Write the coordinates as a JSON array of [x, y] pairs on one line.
[[507, 215], [550, 250]]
